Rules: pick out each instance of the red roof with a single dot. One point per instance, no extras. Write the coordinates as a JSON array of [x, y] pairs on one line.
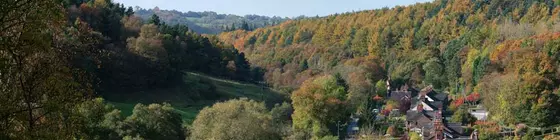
[[377, 98]]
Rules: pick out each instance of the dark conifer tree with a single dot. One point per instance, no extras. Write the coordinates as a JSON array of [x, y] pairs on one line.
[[232, 27], [245, 26], [242, 67], [154, 20], [129, 11]]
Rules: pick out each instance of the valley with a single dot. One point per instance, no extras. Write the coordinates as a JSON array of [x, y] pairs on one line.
[[226, 90], [431, 70]]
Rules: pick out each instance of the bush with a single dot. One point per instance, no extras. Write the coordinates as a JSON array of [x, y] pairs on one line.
[[392, 131], [329, 138], [414, 136]]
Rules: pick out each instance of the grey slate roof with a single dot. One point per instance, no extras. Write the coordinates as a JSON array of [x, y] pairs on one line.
[[454, 127], [451, 130], [438, 96], [398, 95]]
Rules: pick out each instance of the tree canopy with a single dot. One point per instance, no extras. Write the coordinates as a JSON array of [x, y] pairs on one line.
[[234, 119], [317, 104], [463, 47]]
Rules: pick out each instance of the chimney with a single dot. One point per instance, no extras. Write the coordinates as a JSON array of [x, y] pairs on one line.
[[422, 97], [438, 124], [420, 107], [474, 135], [388, 87]]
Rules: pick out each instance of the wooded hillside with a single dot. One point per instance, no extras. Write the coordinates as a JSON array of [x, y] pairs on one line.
[[506, 50], [210, 22]]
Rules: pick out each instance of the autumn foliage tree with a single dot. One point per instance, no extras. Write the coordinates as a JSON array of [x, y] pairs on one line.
[[148, 44], [456, 46], [38, 84]]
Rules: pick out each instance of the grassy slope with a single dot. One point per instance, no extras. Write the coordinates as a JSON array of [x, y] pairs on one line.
[[189, 109]]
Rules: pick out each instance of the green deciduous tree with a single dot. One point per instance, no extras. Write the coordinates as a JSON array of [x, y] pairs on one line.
[[501, 95], [452, 61], [99, 120], [155, 121], [317, 104], [381, 88], [234, 119], [520, 99], [463, 116], [282, 119], [435, 73], [282, 112]]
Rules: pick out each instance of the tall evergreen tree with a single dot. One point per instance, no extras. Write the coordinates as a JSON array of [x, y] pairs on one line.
[[129, 11], [242, 68], [154, 20], [340, 81], [245, 26], [232, 27], [303, 65]]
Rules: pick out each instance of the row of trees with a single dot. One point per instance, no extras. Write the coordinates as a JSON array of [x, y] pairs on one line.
[[131, 54], [317, 106], [244, 26], [234, 119], [98, 120], [210, 22]]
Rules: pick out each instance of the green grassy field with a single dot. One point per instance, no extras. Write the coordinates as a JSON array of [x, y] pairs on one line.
[[226, 89]]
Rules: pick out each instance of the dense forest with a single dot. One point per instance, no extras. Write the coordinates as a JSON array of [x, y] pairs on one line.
[[504, 50], [63, 62], [57, 60], [210, 22]]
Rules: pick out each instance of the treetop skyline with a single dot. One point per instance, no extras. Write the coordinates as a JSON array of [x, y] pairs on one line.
[[284, 8]]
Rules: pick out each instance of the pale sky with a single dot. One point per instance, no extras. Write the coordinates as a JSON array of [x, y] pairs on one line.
[[283, 8]]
